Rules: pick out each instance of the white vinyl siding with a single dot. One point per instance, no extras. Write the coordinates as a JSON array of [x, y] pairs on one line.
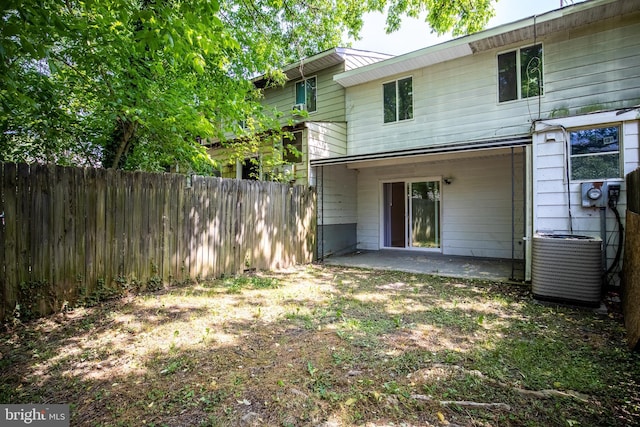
[[327, 139], [324, 140], [476, 206], [456, 101], [337, 199], [550, 201]]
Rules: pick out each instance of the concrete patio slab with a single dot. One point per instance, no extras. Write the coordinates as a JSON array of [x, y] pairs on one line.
[[503, 270]]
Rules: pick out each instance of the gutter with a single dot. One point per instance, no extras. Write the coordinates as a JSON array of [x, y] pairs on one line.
[[517, 141]]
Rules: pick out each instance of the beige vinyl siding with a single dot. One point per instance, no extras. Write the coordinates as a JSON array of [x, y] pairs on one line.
[[476, 206], [225, 159], [329, 96], [456, 101]]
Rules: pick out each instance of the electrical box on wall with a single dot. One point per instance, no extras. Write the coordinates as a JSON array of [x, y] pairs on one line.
[[594, 194]]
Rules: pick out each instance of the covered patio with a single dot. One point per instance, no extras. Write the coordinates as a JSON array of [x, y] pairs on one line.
[[495, 269]]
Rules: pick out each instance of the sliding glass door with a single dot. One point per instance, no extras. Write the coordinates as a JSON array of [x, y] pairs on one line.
[[411, 214]]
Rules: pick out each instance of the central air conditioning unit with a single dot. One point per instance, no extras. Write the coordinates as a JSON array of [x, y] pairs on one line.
[[567, 268]]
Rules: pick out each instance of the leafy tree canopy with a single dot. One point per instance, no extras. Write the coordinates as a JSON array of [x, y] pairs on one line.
[[135, 83]]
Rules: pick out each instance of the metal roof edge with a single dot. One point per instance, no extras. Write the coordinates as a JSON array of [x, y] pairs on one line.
[[339, 52], [514, 141]]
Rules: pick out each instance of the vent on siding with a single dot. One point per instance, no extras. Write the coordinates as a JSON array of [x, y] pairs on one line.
[[567, 268]]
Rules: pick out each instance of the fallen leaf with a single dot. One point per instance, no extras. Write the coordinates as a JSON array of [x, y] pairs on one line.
[[442, 419]]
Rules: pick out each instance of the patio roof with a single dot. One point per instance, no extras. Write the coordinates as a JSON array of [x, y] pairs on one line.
[[479, 145]]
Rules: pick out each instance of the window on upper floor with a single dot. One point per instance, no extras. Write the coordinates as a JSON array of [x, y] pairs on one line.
[[398, 100], [306, 93], [520, 73], [292, 148], [595, 153]]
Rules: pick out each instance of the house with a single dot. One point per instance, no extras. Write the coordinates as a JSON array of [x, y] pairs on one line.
[[474, 146], [311, 105]]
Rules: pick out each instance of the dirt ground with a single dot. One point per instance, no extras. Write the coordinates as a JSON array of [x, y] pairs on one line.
[[326, 346]]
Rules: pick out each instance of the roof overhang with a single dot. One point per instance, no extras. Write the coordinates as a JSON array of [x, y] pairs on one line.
[[463, 147], [321, 61], [564, 19]]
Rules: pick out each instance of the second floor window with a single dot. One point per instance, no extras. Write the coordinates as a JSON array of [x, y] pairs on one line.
[[398, 100], [520, 73], [306, 93]]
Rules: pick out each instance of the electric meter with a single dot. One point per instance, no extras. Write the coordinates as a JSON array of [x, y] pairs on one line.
[[593, 194]]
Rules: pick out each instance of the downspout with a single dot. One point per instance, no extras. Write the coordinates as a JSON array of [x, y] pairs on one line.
[[513, 218], [321, 241], [529, 206], [524, 211]]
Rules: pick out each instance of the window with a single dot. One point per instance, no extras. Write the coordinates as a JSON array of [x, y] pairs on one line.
[[595, 153], [398, 100], [250, 169], [306, 93], [520, 73], [292, 148]]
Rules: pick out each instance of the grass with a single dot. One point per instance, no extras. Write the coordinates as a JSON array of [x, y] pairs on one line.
[[327, 346]]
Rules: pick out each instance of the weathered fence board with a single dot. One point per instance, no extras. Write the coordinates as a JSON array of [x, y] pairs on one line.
[[69, 233], [631, 263], [11, 262], [3, 290]]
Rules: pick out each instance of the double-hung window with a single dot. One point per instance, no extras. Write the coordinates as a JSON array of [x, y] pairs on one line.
[[520, 73], [595, 153], [306, 93], [398, 100]]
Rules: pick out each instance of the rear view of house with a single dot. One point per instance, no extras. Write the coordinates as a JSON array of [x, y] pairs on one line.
[[473, 146], [311, 109]]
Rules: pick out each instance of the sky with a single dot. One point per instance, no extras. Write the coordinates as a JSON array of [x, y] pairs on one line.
[[414, 34]]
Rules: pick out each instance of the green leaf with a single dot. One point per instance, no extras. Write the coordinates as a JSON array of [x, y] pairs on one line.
[[182, 69]]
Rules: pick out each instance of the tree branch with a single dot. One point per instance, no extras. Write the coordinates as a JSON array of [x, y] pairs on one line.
[[462, 403]]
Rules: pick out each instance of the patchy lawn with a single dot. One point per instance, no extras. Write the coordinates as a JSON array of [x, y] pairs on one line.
[[325, 346]]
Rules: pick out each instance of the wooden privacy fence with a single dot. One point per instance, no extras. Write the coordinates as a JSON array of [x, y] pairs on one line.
[[631, 263], [70, 232]]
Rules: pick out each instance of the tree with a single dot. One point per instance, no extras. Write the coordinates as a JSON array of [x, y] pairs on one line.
[[137, 83]]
